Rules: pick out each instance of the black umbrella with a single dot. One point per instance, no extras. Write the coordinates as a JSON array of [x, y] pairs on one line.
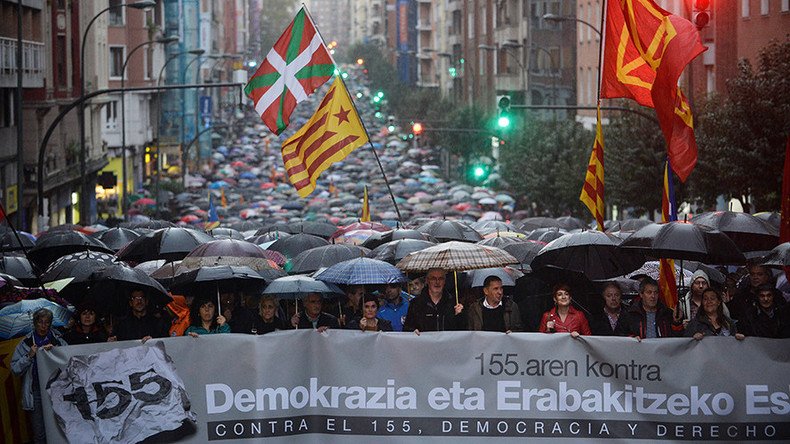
[[493, 226], [773, 218], [533, 223], [748, 232], [325, 256], [20, 268], [246, 225], [154, 224], [116, 238], [52, 245], [450, 230], [380, 238], [320, 229], [290, 247], [501, 241], [627, 224], [525, 252], [168, 243], [680, 240], [591, 253], [111, 286], [394, 251], [268, 237], [779, 257], [571, 223], [78, 267], [211, 281], [226, 233], [9, 241], [546, 234], [229, 252]]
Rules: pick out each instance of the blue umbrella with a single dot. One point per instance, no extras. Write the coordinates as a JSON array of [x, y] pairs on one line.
[[362, 271], [247, 175], [17, 319], [218, 184]]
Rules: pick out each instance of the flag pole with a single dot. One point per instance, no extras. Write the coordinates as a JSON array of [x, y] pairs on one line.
[[18, 239], [604, 4], [364, 128]]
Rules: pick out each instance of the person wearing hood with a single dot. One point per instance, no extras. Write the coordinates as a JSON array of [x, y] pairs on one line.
[[692, 302]]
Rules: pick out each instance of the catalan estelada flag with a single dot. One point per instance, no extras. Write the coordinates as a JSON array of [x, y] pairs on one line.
[[329, 136], [213, 217], [593, 189], [645, 50], [667, 283], [365, 207]]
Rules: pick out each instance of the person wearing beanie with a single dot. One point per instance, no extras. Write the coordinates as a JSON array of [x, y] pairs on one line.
[[693, 300]]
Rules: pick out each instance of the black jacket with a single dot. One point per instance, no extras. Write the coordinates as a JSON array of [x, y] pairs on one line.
[[637, 321], [701, 324], [324, 320], [756, 322], [423, 315], [600, 326], [132, 327]]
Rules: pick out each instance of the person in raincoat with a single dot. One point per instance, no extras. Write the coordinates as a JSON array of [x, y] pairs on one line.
[[23, 363]]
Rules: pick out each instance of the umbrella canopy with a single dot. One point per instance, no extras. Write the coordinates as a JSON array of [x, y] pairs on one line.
[[171, 244], [20, 268], [748, 232], [508, 275], [290, 247], [388, 236], [116, 238], [493, 226], [354, 237], [591, 253], [533, 223], [154, 224], [149, 267], [773, 218], [501, 241], [679, 240], [652, 269], [546, 234], [450, 230], [627, 224], [320, 229], [9, 241], [572, 223], [394, 251], [78, 267], [373, 226], [325, 256], [298, 287], [362, 271], [52, 245], [779, 257], [458, 256], [226, 233], [268, 238], [111, 286], [17, 319], [525, 252], [207, 281]]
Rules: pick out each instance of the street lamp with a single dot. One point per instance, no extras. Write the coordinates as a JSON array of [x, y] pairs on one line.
[[561, 18], [508, 47], [84, 191], [553, 67], [162, 40]]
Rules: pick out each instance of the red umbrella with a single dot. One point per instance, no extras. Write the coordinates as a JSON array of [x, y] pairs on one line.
[[144, 201], [267, 185], [190, 218], [375, 226]]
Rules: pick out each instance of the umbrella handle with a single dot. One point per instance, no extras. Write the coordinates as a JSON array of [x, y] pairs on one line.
[[219, 303], [455, 274]]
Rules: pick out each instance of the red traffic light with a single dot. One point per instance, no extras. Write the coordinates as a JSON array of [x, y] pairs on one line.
[[416, 128], [701, 5]]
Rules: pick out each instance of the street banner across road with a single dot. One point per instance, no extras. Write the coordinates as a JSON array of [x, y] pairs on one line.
[[347, 386]]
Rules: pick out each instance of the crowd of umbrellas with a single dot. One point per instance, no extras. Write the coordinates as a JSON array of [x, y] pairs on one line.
[[272, 242]]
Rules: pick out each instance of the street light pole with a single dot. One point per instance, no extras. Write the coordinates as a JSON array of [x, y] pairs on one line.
[[163, 40], [506, 46], [84, 191]]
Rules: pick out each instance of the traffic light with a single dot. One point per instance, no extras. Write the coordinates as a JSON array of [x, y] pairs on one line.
[[416, 128], [701, 13], [360, 61], [478, 172], [505, 118], [391, 124]]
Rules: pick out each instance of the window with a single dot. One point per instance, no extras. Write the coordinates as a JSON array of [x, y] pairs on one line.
[[764, 9], [116, 13], [7, 108], [60, 62], [470, 24], [116, 61], [582, 91], [579, 25], [745, 8], [785, 5], [111, 115]]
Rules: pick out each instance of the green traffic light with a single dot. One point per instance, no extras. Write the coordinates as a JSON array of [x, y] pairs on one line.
[[503, 121], [379, 115], [380, 94], [391, 128], [479, 172], [377, 99]]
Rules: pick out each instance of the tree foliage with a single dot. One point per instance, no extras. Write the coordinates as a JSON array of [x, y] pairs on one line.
[[546, 163], [741, 137]]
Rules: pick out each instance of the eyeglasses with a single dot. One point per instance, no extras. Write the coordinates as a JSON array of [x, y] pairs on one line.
[[136, 298]]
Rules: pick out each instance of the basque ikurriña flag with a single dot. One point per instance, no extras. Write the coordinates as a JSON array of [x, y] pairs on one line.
[[294, 68], [329, 136]]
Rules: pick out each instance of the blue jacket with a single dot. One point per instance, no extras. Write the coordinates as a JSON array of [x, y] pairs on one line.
[[396, 314]]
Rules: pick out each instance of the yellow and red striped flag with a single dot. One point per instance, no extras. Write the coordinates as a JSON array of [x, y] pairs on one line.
[[667, 283], [329, 136], [365, 207], [593, 190]]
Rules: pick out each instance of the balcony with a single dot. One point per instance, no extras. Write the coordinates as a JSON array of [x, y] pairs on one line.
[[32, 63], [424, 25]]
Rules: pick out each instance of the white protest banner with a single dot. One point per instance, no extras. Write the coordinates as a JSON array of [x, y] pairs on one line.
[[347, 386]]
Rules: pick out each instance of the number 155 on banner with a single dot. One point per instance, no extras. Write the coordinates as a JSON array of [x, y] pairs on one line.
[[120, 395]]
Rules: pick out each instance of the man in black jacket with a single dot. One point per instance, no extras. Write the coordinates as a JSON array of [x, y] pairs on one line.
[[313, 316], [611, 320], [649, 317], [140, 323], [434, 309]]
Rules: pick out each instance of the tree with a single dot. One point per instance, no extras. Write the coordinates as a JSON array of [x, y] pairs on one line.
[[741, 137], [546, 163], [634, 156]]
